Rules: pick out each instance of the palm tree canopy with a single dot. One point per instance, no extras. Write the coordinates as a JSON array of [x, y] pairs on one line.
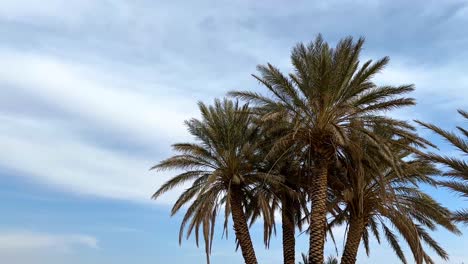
[[224, 155], [373, 191], [328, 90]]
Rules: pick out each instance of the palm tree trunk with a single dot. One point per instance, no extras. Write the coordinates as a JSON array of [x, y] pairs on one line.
[[356, 229], [318, 194], [288, 226], [240, 226]]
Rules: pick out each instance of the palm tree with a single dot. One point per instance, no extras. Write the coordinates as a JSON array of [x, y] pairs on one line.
[[292, 204], [458, 166], [221, 165], [321, 100], [288, 197], [374, 194]]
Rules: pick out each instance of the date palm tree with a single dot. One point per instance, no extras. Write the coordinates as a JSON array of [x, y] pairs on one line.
[[293, 203], [290, 199], [327, 91], [221, 167], [287, 197], [374, 195], [458, 166]]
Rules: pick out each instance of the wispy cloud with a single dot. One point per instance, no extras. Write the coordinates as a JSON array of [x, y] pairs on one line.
[[24, 241], [28, 247], [86, 143], [78, 92]]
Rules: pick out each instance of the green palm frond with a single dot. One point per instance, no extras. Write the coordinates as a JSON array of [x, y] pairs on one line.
[[460, 215], [458, 166], [331, 260], [389, 200], [224, 155], [327, 99], [305, 259], [393, 241]]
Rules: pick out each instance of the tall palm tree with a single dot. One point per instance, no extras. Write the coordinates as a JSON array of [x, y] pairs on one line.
[[292, 204], [458, 166], [221, 165], [287, 197], [327, 91], [374, 194], [290, 200]]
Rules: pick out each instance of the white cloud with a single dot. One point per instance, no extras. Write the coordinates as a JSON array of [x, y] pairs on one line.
[[77, 90], [444, 81], [439, 89], [55, 152], [29, 247], [51, 155], [24, 241]]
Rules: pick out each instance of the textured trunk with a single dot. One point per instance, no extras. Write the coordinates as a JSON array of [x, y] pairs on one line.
[[318, 194], [240, 227], [356, 229], [289, 240]]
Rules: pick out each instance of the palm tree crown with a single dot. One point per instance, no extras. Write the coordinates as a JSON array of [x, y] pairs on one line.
[[221, 166], [328, 93], [373, 194]]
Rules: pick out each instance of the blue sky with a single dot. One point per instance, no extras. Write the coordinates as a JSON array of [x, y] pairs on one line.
[[94, 92]]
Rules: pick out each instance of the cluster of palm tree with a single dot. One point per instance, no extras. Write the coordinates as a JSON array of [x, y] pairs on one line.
[[319, 148]]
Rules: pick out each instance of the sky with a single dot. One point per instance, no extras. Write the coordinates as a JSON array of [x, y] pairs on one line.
[[94, 92]]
